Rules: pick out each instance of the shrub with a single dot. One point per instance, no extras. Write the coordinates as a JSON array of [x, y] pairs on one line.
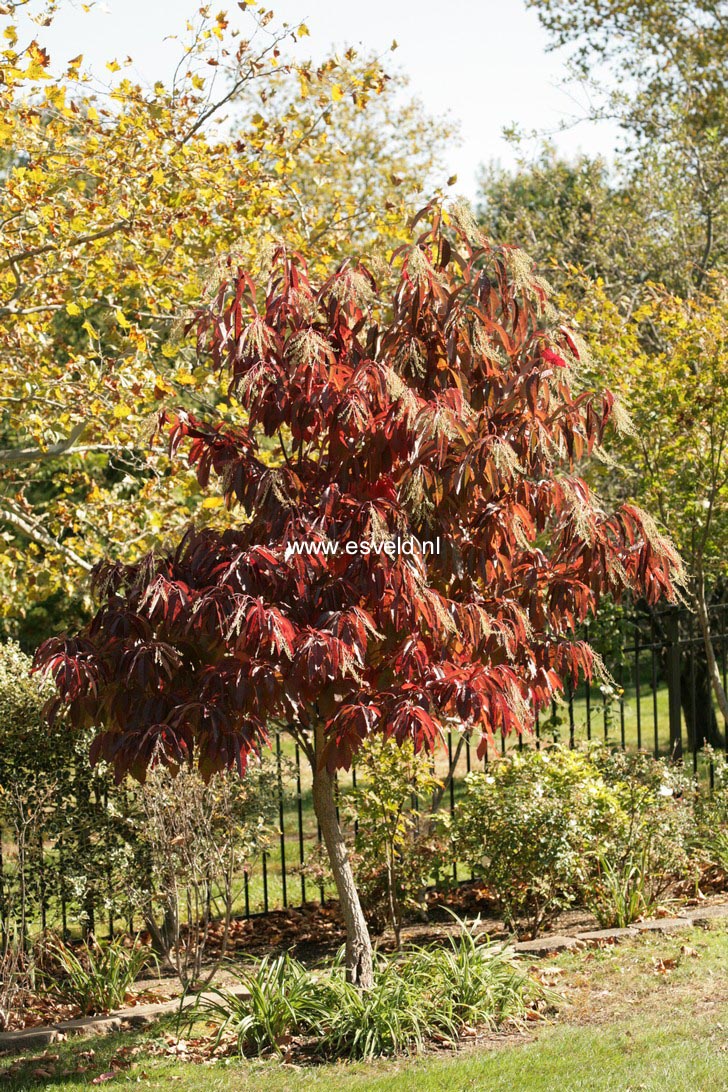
[[549, 828], [72, 834], [711, 836], [81, 845], [397, 846], [648, 842], [196, 843], [28, 786], [525, 826], [96, 978], [719, 794]]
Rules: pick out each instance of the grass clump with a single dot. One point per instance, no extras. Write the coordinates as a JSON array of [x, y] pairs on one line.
[[286, 999], [430, 993], [427, 993], [96, 977]]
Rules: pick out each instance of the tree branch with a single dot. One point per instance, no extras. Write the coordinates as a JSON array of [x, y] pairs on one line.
[[34, 252], [39, 535], [23, 456], [248, 75]]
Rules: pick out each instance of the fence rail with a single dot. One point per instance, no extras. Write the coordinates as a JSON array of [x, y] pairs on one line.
[[661, 702]]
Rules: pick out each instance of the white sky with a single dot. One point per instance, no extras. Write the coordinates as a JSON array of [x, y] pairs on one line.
[[482, 63]]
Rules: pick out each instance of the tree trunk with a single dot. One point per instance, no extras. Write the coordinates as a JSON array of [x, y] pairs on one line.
[[715, 679], [358, 942], [703, 726]]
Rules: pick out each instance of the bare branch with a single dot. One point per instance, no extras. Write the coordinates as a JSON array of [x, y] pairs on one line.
[[38, 534], [23, 456], [79, 240]]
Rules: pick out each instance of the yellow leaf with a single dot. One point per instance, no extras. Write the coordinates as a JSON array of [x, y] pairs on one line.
[[121, 411], [336, 93], [89, 329], [73, 309], [303, 31], [158, 176], [36, 71], [212, 502], [169, 350], [184, 378], [122, 319], [113, 66]]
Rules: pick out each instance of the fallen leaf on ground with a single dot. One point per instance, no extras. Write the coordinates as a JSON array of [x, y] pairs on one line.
[[662, 966]]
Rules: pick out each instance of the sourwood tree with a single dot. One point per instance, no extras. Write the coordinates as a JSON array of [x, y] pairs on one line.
[[449, 411]]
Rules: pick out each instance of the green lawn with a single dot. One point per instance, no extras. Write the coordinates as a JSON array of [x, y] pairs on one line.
[[646, 1015]]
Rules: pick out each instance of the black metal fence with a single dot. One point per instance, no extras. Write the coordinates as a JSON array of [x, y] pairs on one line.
[[659, 700]]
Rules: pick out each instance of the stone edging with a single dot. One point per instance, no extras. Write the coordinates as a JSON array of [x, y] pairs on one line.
[[138, 1016], [557, 943], [12, 1042]]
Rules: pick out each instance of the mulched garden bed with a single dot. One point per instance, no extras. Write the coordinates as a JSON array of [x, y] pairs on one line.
[[313, 932], [42, 1009]]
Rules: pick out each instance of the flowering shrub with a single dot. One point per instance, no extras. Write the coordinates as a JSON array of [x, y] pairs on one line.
[[550, 828], [525, 824], [649, 841]]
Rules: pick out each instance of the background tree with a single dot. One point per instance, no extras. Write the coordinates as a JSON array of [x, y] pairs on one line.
[[635, 250], [618, 223], [675, 459], [662, 77], [114, 201], [446, 412]]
